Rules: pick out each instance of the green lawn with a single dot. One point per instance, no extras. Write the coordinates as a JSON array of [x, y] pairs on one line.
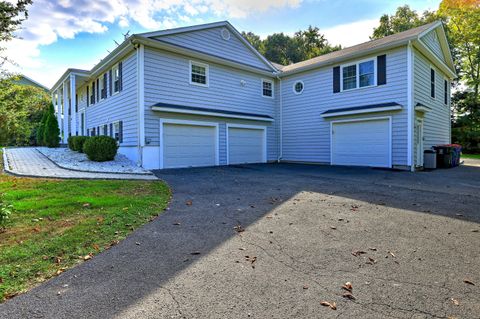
[[57, 224], [475, 156]]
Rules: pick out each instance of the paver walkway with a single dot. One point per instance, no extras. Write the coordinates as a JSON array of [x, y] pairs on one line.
[[29, 162]]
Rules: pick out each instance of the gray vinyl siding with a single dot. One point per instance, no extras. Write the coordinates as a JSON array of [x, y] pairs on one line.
[[167, 80], [436, 123], [431, 41], [211, 42], [121, 106], [306, 135]]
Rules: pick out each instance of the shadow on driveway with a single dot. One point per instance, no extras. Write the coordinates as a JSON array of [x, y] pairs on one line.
[[275, 240]]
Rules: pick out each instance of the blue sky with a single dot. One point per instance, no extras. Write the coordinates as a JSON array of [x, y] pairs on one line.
[[78, 33]]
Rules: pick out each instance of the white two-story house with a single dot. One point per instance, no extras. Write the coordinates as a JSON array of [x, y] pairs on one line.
[[203, 96]]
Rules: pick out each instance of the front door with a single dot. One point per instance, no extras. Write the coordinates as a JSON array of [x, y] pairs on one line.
[[419, 141]]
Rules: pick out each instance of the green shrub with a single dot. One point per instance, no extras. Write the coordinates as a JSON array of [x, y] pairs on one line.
[[40, 131], [79, 142], [51, 136], [71, 141], [5, 212], [100, 148]]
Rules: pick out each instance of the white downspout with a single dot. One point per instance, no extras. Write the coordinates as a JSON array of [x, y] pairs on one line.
[[410, 106], [140, 50], [280, 155]]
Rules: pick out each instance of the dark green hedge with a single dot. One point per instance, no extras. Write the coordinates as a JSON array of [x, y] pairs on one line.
[[100, 148]]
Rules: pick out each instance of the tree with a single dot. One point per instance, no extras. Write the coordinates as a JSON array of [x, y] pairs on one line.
[[11, 17], [21, 109], [51, 135], [284, 49], [463, 20], [40, 133], [403, 19]]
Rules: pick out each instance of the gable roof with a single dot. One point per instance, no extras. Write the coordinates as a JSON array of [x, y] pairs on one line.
[[390, 41], [201, 27]]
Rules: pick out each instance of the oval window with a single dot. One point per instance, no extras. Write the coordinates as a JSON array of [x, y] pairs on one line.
[[298, 87]]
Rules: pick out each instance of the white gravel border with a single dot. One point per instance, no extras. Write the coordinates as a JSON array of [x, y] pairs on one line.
[[68, 159]]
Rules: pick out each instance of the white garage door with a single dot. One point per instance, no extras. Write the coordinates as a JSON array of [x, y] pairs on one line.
[[246, 145], [188, 145], [361, 143]]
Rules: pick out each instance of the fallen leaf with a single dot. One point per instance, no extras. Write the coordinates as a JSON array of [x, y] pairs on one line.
[[137, 243], [96, 247], [475, 230], [460, 215], [188, 203], [392, 254], [348, 296], [468, 282], [333, 227], [87, 257], [176, 223], [373, 261], [241, 248], [455, 302], [348, 286], [86, 205], [332, 305], [358, 253], [58, 260], [195, 253], [372, 248], [239, 229], [305, 287]]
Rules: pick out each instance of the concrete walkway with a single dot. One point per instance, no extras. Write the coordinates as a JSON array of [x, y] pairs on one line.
[[29, 162]]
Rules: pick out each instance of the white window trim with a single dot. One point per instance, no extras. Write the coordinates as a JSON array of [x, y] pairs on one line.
[[195, 123], [207, 73], [293, 87], [254, 127], [273, 88], [389, 118], [100, 84], [115, 67], [357, 64], [115, 131]]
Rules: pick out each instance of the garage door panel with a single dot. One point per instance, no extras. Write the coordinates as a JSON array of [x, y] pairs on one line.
[[362, 143], [188, 145], [245, 145]]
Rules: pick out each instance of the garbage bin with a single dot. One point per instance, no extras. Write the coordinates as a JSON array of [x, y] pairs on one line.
[[444, 156], [430, 159]]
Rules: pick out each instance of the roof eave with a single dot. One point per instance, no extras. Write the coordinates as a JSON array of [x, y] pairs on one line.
[[196, 54]]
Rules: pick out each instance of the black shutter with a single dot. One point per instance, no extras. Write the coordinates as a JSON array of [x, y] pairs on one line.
[[104, 92], [381, 69], [120, 135], [336, 79], [120, 76], [88, 97], [98, 90], [76, 102], [432, 83], [110, 82], [445, 87], [111, 129], [88, 132], [93, 93]]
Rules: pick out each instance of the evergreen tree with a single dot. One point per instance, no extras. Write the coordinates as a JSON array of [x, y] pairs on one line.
[[51, 136]]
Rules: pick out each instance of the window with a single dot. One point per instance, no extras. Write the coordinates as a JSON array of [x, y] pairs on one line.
[[198, 73], [445, 92], [103, 87], [432, 83], [358, 75], [298, 87], [116, 79], [118, 131], [366, 72], [267, 88], [349, 77]]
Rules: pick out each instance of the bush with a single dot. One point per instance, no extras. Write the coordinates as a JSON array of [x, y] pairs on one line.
[[100, 148], [5, 212], [51, 136], [78, 143], [71, 141]]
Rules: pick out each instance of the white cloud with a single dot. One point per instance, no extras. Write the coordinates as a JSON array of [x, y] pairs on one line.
[[351, 33], [50, 20]]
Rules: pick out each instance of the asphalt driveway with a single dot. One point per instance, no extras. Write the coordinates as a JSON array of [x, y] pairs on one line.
[[274, 241]]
